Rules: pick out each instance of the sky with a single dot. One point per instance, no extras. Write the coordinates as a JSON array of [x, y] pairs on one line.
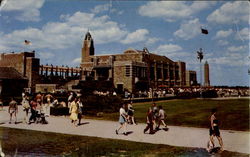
[[56, 29]]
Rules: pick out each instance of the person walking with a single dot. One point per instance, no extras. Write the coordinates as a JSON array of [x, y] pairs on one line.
[[155, 114], [33, 105], [1, 105], [13, 109], [80, 110], [131, 114], [74, 112], [122, 120], [48, 99], [26, 107], [150, 122], [214, 129], [161, 118]]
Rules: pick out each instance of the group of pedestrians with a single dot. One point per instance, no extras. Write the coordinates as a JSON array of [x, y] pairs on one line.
[[126, 116], [38, 106], [156, 117], [75, 110]]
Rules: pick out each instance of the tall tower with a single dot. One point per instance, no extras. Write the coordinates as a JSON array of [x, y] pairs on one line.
[[206, 75], [87, 48], [182, 73]]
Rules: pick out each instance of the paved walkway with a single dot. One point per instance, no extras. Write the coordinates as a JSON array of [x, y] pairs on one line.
[[235, 141]]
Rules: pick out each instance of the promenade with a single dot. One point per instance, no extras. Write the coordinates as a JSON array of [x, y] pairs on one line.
[[236, 141]]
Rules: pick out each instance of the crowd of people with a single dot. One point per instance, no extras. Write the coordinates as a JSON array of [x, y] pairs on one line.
[[39, 107], [164, 92], [155, 116]]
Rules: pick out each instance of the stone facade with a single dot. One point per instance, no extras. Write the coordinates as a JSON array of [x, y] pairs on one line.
[[133, 69], [25, 63], [191, 78]]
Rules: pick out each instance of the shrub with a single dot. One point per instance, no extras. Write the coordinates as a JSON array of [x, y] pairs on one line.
[[94, 103]]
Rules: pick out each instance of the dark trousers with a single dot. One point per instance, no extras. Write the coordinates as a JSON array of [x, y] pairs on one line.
[[33, 115], [150, 127], [79, 116]]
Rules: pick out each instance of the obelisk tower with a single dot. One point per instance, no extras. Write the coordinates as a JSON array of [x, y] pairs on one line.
[[206, 75]]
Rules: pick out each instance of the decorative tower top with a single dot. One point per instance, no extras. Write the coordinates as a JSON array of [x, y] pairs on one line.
[[88, 47]]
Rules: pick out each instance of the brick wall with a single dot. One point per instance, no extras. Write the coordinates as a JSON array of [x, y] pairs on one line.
[[24, 63]]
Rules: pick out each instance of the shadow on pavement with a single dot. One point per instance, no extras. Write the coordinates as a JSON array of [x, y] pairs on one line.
[[83, 123]]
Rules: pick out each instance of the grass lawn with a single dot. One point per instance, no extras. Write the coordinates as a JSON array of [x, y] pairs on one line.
[[233, 114], [35, 143]]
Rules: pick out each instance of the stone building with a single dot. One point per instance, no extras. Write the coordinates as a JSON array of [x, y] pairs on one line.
[[206, 75], [25, 63], [133, 69], [40, 77], [191, 78], [11, 82]]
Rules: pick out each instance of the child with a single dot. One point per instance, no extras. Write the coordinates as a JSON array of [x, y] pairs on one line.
[[161, 116], [13, 109]]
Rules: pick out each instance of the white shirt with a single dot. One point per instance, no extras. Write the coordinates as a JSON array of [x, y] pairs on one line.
[[123, 112], [161, 114]]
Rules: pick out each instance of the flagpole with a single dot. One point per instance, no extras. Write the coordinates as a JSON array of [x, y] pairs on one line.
[[200, 57]]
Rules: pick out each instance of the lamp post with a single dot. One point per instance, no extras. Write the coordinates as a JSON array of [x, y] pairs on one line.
[[200, 57]]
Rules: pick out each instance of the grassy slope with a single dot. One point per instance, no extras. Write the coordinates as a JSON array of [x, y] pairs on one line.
[[49, 144], [233, 114]]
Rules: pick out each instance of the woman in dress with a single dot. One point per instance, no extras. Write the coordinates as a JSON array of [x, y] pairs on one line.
[[74, 112], [122, 120]]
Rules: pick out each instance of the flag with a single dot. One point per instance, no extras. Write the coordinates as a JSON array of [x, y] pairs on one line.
[[204, 31], [26, 42]]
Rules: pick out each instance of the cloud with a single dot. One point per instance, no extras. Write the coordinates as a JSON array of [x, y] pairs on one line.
[[28, 10], [115, 11], [223, 34], [242, 34], [68, 32], [235, 56], [171, 51], [101, 8], [237, 49], [173, 10], [230, 12], [237, 60], [152, 40], [77, 60], [137, 36], [189, 29], [223, 42], [45, 55], [105, 8], [168, 48]]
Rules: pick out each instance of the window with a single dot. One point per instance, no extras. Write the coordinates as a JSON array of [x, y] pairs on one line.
[[127, 68]]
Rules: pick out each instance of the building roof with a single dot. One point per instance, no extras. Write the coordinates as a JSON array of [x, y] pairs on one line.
[[10, 73]]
